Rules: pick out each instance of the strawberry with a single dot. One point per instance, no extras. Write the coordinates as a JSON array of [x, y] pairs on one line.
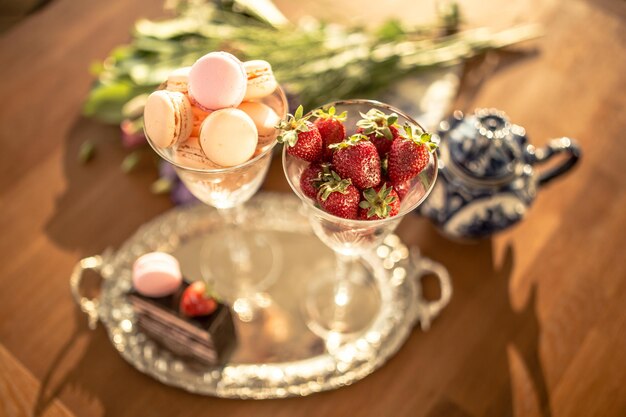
[[402, 189], [331, 128], [409, 155], [197, 300], [312, 177], [380, 128], [356, 158], [339, 197], [302, 138], [380, 203]]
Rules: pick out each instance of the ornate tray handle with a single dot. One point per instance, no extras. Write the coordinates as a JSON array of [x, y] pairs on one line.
[[89, 306], [429, 310]]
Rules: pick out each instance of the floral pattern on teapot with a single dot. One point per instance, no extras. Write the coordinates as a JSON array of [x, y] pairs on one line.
[[487, 179]]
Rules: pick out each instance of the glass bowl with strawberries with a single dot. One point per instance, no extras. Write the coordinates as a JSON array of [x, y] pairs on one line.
[[359, 166]]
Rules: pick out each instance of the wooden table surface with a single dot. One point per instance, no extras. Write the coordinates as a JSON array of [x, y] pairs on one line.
[[537, 325]]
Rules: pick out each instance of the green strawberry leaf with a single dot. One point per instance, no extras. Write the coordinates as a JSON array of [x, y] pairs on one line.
[[386, 132], [299, 112]]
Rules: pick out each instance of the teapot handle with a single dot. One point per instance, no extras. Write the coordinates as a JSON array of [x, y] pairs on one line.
[[554, 147]]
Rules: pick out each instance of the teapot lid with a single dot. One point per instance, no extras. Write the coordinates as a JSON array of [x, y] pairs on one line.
[[484, 145]]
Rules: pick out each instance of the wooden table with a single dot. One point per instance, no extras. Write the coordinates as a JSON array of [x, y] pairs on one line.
[[537, 325]]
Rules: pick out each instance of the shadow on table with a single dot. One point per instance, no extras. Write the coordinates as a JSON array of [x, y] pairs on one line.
[[101, 205], [490, 349]]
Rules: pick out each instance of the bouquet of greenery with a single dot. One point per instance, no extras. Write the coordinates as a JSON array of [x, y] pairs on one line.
[[315, 62]]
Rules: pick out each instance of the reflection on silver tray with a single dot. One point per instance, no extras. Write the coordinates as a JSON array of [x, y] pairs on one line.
[[277, 355]]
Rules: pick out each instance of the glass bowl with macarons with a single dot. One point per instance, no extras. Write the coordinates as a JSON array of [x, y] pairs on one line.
[[215, 122]]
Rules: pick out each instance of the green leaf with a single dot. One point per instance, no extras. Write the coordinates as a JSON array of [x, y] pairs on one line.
[[299, 112], [364, 204], [391, 30], [96, 68], [392, 119], [131, 161], [290, 137], [86, 152], [105, 101], [370, 194], [162, 186]]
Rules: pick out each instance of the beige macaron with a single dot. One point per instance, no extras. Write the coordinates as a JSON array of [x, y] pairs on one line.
[[264, 117], [178, 80], [261, 81], [228, 137], [189, 154], [168, 118]]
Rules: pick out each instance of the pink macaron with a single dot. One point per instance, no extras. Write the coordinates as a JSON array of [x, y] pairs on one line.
[[156, 274], [217, 80], [168, 118]]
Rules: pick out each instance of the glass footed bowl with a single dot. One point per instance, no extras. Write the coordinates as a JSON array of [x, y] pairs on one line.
[[342, 301], [229, 187], [356, 237], [237, 263]]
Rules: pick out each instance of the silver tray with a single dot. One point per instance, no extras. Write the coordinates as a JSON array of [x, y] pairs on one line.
[[277, 355]]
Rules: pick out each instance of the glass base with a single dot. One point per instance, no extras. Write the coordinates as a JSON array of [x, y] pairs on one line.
[[338, 309], [240, 265]]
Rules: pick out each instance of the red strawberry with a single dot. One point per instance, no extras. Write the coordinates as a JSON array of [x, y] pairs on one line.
[[302, 138], [402, 189], [380, 128], [356, 158], [331, 128], [380, 203], [409, 155], [197, 300], [312, 177], [339, 197]]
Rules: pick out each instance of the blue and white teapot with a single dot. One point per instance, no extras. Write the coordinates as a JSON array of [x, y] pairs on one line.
[[487, 179]]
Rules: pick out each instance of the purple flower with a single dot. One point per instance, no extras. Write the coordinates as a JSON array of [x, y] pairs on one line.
[[166, 170], [180, 195]]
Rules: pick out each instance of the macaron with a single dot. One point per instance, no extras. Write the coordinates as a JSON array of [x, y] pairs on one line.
[[260, 79], [228, 137], [178, 80], [217, 80], [168, 118], [189, 154], [198, 117], [156, 274], [264, 117]]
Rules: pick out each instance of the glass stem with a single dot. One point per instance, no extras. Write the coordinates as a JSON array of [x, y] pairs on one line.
[[238, 250], [342, 291]]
